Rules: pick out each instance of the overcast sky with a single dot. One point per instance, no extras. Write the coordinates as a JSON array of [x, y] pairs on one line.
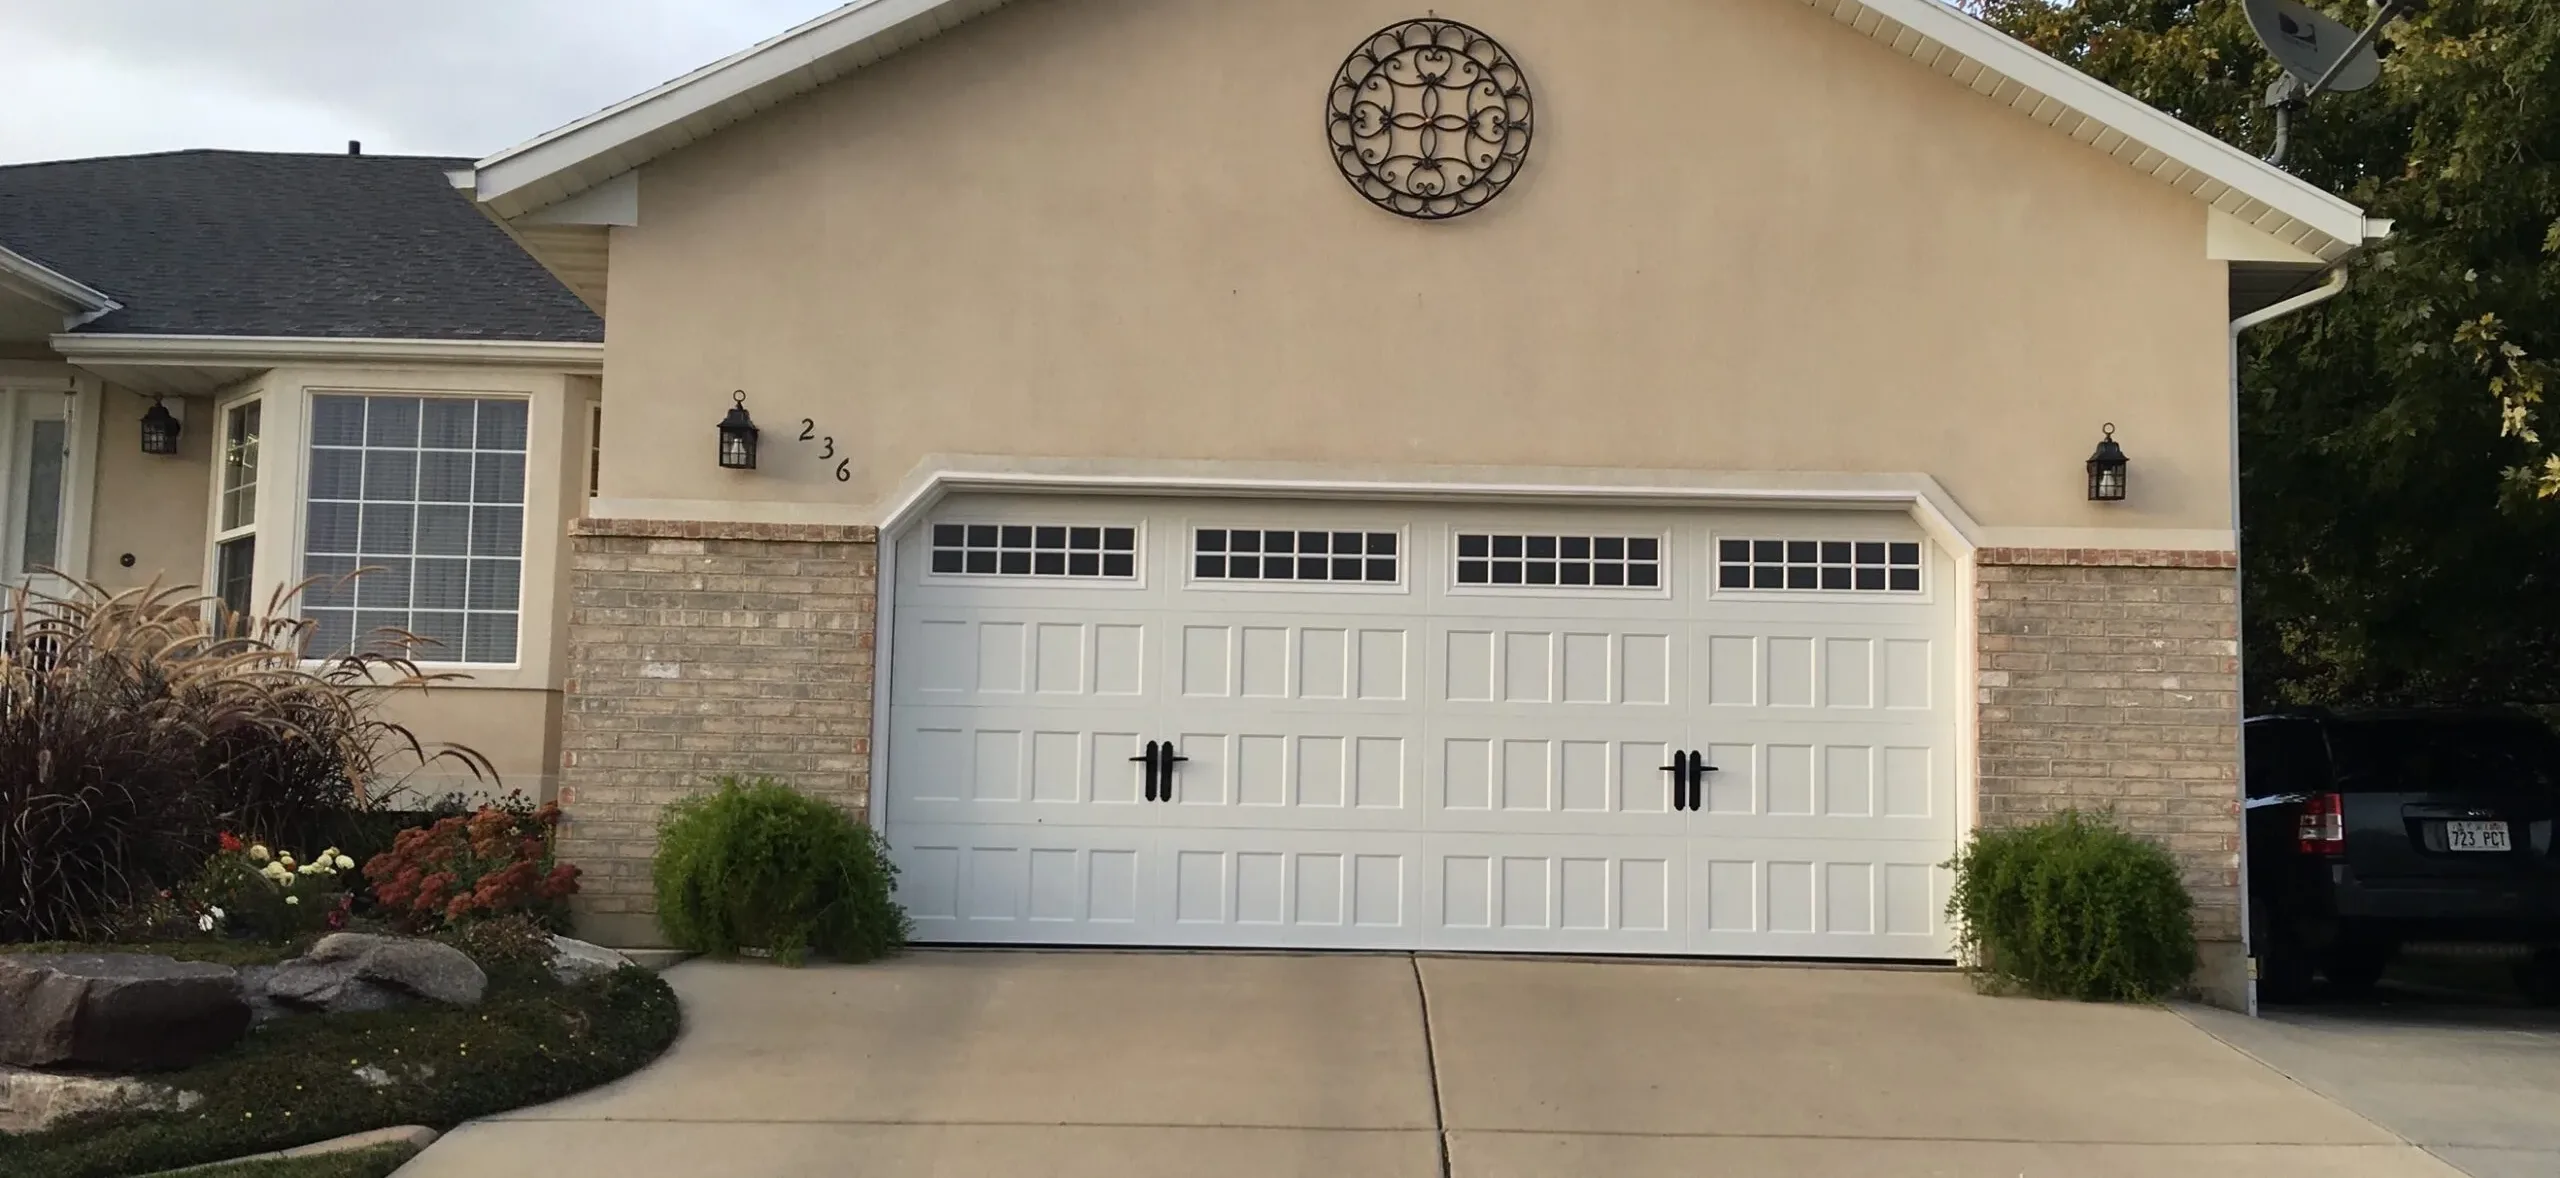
[[433, 77]]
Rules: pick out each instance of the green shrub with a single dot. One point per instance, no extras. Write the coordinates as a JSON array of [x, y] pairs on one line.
[[2073, 907], [757, 865]]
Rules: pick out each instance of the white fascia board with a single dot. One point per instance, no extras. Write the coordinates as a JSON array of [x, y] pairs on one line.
[[2128, 116], [78, 301], [774, 60], [269, 351], [614, 202]]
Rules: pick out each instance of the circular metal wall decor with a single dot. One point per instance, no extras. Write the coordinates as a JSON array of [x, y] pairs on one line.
[[1429, 118]]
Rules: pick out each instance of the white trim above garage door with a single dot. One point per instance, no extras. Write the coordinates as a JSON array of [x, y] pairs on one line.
[[1404, 753]]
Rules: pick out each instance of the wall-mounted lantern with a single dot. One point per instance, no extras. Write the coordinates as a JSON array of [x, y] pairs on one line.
[[738, 436], [159, 429], [2107, 469]]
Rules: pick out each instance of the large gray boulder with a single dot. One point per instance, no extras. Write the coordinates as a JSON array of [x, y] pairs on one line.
[[429, 969], [117, 1011]]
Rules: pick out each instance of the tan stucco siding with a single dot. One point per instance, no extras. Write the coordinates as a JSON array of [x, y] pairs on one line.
[[1747, 239], [150, 506], [518, 731]]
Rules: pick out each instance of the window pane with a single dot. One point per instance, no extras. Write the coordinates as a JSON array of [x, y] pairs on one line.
[[337, 421], [336, 474], [328, 587], [447, 424], [391, 475], [497, 531], [384, 584], [232, 563], [444, 531], [444, 477], [489, 638], [500, 479], [332, 632], [389, 528], [493, 584], [441, 584], [391, 421], [502, 428], [444, 631], [332, 528], [240, 467], [44, 493]]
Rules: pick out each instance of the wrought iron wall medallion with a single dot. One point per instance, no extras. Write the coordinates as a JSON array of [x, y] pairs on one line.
[[1429, 118]]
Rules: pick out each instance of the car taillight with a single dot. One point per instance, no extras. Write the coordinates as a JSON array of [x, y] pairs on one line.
[[2323, 827]]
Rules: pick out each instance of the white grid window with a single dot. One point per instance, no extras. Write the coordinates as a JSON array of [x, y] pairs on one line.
[[1604, 562], [429, 493], [1287, 554], [1035, 550], [1856, 566]]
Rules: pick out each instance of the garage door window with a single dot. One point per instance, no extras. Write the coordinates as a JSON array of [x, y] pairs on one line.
[[1854, 566], [1603, 562], [1288, 554], [1035, 550]]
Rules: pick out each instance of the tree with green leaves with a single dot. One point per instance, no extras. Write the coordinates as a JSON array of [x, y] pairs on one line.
[[2400, 494]]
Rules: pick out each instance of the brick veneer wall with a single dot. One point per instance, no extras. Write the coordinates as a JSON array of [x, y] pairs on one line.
[[698, 649], [2110, 679]]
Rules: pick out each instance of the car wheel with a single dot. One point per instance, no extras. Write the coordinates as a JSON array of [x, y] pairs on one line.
[[2539, 977], [2353, 969], [2284, 970]]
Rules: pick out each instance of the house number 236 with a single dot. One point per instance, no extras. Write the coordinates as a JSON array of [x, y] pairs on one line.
[[809, 433]]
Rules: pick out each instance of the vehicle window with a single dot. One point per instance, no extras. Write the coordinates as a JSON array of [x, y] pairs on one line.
[[2421, 756], [2283, 757]]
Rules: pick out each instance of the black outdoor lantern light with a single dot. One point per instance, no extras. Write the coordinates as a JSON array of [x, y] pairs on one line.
[[2106, 469], [738, 436], [159, 429]]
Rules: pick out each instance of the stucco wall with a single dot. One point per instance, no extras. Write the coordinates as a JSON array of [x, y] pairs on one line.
[[153, 506], [518, 731], [1747, 239]]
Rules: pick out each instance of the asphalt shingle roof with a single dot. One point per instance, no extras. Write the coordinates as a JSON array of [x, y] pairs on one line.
[[266, 244]]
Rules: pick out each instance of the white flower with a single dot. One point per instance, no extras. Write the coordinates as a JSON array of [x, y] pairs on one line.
[[258, 853], [204, 923], [275, 871], [346, 864], [217, 913], [293, 899]]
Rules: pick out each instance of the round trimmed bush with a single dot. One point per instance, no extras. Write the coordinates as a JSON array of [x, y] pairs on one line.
[[2073, 907], [758, 865]]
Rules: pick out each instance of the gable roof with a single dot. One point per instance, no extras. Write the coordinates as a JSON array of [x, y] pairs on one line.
[[576, 158], [227, 243]]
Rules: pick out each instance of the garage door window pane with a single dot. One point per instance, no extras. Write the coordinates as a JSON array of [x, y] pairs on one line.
[[1037, 551], [1573, 562], [1839, 566], [428, 493], [1289, 554]]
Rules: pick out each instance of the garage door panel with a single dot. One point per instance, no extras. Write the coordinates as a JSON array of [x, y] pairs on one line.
[[1561, 778], [986, 765], [1312, 663], [1506, 665], [1262, 888], [1807, 899], [1526, 893], [1034, 658], [1312, 773], [979, 882], [1842, 670]]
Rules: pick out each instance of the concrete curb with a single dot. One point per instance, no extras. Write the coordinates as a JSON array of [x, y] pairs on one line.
[[417, 1137]]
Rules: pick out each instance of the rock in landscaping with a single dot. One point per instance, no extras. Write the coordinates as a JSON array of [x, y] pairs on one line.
[[428, 969], [330, 987], [31, 1102], [575, 961], [123, 1011]]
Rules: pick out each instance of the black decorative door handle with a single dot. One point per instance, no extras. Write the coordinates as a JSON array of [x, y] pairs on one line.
[[1679, 771], [1698, 770], [1168, 759], [1149, 759]]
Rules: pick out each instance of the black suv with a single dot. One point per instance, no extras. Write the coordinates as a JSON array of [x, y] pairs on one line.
[[2370, 831]]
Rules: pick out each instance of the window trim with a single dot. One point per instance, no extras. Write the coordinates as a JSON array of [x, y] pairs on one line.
[[23, 400], [302, 501], [1191, 578], [1139, 553]]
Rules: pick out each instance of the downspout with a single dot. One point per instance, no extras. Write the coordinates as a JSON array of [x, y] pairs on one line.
[[2329, 288]]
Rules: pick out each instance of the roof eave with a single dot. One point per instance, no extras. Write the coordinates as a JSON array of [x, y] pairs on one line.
[[78, 301]]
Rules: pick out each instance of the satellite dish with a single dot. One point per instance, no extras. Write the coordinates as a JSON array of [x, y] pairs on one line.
[[2307, 44]]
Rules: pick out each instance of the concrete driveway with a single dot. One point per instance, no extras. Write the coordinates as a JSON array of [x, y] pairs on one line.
[[1161, 1064]]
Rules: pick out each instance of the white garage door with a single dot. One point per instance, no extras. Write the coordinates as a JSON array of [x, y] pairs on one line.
[[1422, 726]]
